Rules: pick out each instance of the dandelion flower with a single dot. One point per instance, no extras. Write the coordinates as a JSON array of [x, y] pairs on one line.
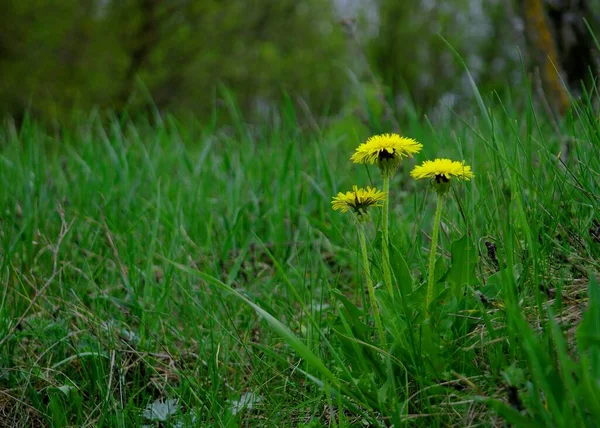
[[442, 171], [359, 200], [386, 150]]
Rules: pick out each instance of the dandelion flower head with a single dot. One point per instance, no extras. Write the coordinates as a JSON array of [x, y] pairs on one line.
[[386, 150], [359, 200], [442, 171]]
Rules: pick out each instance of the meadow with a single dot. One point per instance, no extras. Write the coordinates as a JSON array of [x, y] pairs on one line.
[[162, 274]]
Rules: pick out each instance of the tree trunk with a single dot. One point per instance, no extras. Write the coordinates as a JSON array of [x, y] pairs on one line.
[[574, 42], [545, 54]]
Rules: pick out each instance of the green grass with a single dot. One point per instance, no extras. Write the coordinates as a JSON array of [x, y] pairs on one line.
[[150, 262]]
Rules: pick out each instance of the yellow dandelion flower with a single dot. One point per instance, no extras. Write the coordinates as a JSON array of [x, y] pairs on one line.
[[359, 200], [442, 171], [386, 150]]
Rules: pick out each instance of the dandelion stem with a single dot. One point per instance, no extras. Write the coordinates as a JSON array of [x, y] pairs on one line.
[[387, 271], [371, 289], [432, 251]]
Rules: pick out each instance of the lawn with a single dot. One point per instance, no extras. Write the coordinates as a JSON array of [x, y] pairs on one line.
[[165, 274]]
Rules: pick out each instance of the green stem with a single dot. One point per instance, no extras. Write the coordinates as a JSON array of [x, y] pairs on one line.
[[371, 289], [387, 271], [432, 251]]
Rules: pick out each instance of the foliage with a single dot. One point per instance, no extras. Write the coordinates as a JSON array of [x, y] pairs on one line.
[[144, 54], [158, 269], [411, 55], [140, 56]]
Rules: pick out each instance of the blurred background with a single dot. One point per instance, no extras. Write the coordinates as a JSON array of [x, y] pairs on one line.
[[62, 58]]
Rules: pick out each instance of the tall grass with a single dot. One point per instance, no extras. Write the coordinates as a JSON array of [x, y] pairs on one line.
[[188, 276]]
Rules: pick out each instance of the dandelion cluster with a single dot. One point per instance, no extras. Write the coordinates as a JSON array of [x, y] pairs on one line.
[[387, 151]]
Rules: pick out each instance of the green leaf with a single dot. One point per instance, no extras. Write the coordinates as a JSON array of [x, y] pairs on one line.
[[440, 270], [384, 391], [417, 297], [445, 304], [590, 389], [161, 410], [65, 389], [353, 311], [462, 268], [495, 283], [404, 280], [588, 340], [588, 332], [431, 349]]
